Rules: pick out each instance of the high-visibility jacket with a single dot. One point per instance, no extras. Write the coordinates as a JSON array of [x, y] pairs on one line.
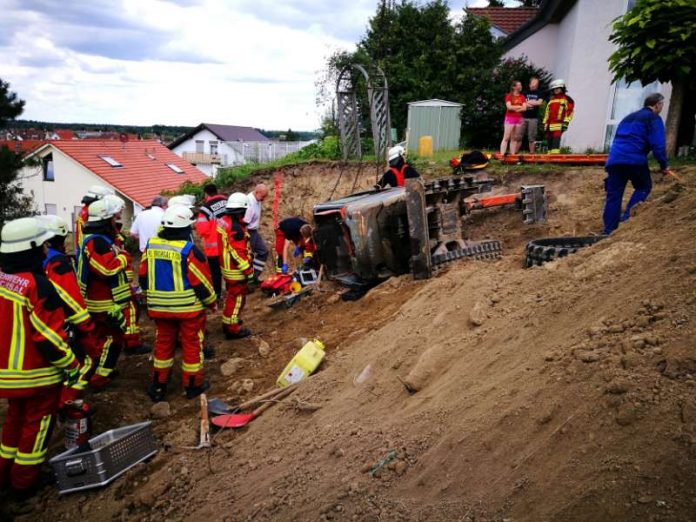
[[101, 273], [80, 221], [206, 224], [559, 111], [61, 274], [33, 348], [235, 249], [120, 242], [176, 278]]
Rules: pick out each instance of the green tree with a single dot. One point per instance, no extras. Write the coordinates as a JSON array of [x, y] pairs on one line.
[[496, 3], [657, 42], [13, 203]]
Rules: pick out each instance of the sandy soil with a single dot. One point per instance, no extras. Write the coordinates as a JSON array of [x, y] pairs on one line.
[[562, 392]]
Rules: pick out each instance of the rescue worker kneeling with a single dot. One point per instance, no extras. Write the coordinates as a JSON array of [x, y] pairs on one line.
[[34, 357], [178, 286], [235, 260], [87, 345]]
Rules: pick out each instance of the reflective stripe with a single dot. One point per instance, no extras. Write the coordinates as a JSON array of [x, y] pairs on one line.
[[132, 323], [191, 368], [81, 383], [15, 298], [97, 306], [101, 370], [20, 384], [163, 364], [48, 371], [109, 272], [234, 318], [41, 436], [29, 459], [54, 339], [204, 280], [16, 358], [7, 452], [80, 314]]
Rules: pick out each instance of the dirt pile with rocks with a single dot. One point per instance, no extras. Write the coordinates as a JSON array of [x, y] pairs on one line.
[[490, 392]]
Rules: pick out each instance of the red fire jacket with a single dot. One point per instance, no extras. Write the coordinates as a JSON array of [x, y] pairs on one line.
[[80, 225], [206, 224], [235, 249], [559, 112], [102, 274], [33, 348]]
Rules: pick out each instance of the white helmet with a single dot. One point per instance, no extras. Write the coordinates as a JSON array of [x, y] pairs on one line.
[[105, 208], [187, 200], [23, 234], [557, 84], [395, 152], [96, 192], [55, 224], [236, 201], [177, 216]]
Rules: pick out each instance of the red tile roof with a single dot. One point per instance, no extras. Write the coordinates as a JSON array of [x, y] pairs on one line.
[[21, 145], [507, 19], [141, 177], [65, 134]]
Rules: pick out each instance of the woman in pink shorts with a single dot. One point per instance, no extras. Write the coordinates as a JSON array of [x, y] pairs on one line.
[[515, 102]]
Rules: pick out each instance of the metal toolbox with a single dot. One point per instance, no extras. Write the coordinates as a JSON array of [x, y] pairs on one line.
[[113, 453]]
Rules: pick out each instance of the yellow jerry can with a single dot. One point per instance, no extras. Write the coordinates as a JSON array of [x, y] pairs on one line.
[[303, 364]]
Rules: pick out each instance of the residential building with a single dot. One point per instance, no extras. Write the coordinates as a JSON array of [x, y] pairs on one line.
[[137, 171], [504, 20], [210, 146], [570, 39]]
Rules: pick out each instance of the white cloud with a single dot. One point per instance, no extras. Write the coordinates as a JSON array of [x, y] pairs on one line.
[[152, 61]]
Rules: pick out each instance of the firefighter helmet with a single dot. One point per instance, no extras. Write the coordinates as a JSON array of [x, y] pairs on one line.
[[23, 234], [177, 216], [187, 200], [557, 84], [237, 201], [55, 224], [395, 152], [106, 208], [96, 192]]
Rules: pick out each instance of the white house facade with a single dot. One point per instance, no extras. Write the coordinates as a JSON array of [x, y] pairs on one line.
[[570, 39], [208, 152]]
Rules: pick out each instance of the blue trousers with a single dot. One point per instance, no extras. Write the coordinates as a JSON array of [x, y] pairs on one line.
[[615, 184]]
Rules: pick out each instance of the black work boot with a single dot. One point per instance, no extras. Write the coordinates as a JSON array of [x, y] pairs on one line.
[[243, 332], [194, 391], [157, 391]]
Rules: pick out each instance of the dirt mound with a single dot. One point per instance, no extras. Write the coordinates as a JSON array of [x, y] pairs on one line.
[[561, 392]]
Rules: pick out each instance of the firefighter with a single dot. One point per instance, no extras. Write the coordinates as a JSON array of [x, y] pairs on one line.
[[235, 261], [131, 335], [60, 271], [399, 171], [293, 231], [559, 111], [101, 270], [178, 287], [34, 355], [94, 193], [206, 225]]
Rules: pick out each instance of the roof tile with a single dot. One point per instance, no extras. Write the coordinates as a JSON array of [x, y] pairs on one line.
[[508, 19]]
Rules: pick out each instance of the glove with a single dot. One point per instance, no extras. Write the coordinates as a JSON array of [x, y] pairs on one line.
[[115, 318], [72, 375], [297, 251], [564, 127], [284, 268]]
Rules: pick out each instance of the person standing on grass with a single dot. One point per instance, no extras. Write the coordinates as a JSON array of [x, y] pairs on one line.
[[530, 121], [637, 134], [515, 104]]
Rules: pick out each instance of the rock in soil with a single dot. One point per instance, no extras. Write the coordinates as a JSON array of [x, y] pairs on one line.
[[160, 410]]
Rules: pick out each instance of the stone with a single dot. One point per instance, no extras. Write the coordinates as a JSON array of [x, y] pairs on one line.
[[588, 357], [247, 385], [231, 366], [617, 387], [160, 410], [616, 328], [626, 415], [477, 315], [264, 348], [400, 467]]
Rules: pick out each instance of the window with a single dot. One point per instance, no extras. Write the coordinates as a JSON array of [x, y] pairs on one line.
[[628, 98], [175, 168], [51, 209], [111, 161], [213, 147], [200, 146], [48, 174]]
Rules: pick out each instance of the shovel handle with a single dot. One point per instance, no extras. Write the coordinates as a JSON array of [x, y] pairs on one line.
[[263, 396], [286, 391]]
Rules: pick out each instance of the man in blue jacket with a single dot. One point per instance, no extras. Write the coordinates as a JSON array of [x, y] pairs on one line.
[[638, 134]]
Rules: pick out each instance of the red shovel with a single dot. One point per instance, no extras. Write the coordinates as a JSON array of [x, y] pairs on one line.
[[239, 420]]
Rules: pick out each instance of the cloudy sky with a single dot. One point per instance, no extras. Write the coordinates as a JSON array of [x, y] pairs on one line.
[[240, 62]]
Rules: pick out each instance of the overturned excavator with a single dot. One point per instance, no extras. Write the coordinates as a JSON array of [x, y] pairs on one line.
[[369, 236]]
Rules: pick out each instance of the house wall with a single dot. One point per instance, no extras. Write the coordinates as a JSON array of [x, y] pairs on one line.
[[229, 155], [577, 49], [71, 183]]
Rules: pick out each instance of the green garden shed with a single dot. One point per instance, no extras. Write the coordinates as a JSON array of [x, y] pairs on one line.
[[440, 119]]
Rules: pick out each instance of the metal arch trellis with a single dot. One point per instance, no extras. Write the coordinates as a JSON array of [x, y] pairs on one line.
[[348, 110]]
